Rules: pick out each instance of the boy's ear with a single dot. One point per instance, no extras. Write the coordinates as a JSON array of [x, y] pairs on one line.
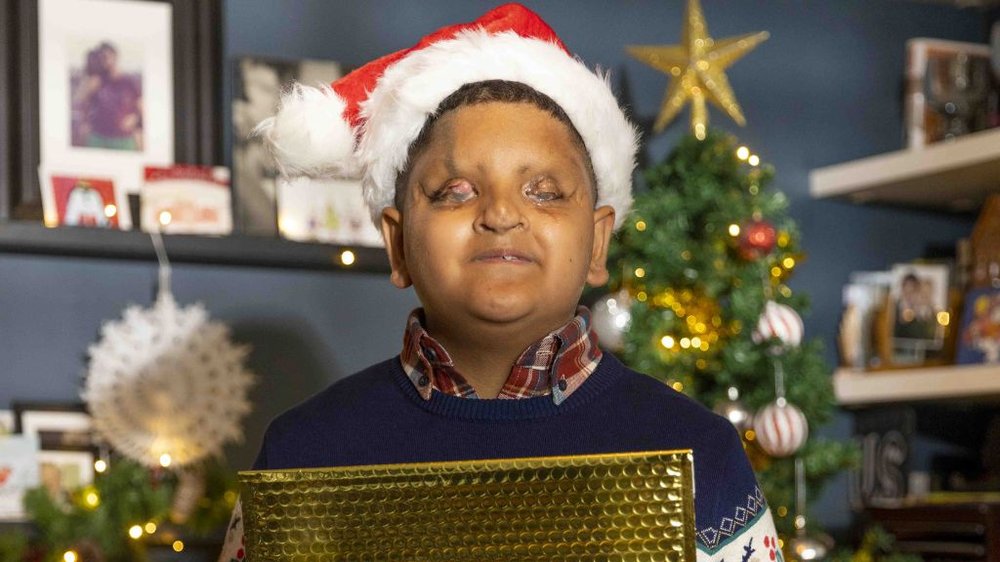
[[392, 231], [604, 227]]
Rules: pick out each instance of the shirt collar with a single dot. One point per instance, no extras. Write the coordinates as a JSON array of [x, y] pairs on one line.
[[554, 365]]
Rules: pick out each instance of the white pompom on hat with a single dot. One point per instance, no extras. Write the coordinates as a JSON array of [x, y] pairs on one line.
[[365, 122]]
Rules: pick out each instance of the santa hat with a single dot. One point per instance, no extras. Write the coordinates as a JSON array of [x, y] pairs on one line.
[[364, 123]]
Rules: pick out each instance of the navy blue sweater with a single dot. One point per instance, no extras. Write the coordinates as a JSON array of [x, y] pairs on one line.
[[377, 417]]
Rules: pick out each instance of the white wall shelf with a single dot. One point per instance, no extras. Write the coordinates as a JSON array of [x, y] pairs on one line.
[[859, 388], [947, 176]]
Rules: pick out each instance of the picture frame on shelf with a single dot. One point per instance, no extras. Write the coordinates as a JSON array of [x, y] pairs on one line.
[[106, 92], [66, 451], [257, 86], [918, 313], [193, 42], [58, 425], [979, 337], [936, 106]]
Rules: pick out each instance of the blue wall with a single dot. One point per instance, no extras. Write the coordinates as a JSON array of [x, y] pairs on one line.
[[824, 89]]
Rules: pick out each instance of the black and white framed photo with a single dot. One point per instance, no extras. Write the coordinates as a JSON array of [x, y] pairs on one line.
[[64, 433], [257, 87], [106, 87]]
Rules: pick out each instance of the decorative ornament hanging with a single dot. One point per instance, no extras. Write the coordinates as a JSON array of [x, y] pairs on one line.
[[781, 427], [697, 70], [779, 321], [735, 410], [610, 318], [165, 385], [757, 239]]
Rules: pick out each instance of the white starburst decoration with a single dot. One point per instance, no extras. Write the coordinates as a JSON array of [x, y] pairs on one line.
[[165, 385]]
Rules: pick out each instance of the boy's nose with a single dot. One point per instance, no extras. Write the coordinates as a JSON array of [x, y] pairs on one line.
[[499, 213]]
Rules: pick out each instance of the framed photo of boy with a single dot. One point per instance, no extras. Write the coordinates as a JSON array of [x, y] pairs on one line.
[[919, 297], [66, 450], [106, 90]]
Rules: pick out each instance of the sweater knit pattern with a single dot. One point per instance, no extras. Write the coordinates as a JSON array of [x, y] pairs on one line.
[[377, 417]]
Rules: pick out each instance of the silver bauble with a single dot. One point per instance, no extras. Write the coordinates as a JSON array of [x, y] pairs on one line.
[[735, 410], [610, 317]]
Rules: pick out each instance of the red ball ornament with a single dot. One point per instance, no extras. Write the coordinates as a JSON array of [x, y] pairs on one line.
[[757, 239], [781, 428]]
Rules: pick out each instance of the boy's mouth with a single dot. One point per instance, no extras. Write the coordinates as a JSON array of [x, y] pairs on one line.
[[503, 256]]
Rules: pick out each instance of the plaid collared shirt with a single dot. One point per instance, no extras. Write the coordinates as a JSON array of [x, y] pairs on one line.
[[556, 364]]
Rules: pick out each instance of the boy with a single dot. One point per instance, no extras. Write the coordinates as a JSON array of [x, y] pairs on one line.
[[498, 167]]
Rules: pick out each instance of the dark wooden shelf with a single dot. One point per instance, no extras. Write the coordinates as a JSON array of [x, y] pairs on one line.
[[23, 237]]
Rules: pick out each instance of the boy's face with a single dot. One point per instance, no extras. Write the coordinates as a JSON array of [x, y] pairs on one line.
[[499, 224]]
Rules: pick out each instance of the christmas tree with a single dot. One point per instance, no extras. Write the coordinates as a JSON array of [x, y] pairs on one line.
[[702, 266]]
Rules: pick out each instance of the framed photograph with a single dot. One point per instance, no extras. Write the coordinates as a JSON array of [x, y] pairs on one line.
[[106, 91], [948, 85], [110, 84], [257, 87], [330, 211], [919, 298], [83, 200], [64, 432], [979, 339]]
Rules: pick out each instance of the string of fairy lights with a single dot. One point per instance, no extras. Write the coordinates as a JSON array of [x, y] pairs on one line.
[[700, 319], [91, 499]]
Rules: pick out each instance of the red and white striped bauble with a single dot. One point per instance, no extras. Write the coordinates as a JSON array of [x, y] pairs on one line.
[[781, 428], [779, 321]]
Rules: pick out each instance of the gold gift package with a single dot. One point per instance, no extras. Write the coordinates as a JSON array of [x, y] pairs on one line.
[[628, 506]]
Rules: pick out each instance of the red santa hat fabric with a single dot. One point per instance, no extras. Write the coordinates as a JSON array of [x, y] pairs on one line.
[[364, 123]]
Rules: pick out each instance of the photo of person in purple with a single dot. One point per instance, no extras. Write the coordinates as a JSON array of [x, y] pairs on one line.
[[107, 102]]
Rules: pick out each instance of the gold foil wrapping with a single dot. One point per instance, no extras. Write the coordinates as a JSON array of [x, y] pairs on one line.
[[632, 506]]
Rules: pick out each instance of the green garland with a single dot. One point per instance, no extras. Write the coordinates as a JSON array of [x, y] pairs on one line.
[[94, 521], [679, 255]]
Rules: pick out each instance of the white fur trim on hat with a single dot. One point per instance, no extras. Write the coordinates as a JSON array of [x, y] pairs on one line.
[[309, 136], [411, 89]]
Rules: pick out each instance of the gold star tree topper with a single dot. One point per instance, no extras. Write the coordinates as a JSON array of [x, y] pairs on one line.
[[696, 68]]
